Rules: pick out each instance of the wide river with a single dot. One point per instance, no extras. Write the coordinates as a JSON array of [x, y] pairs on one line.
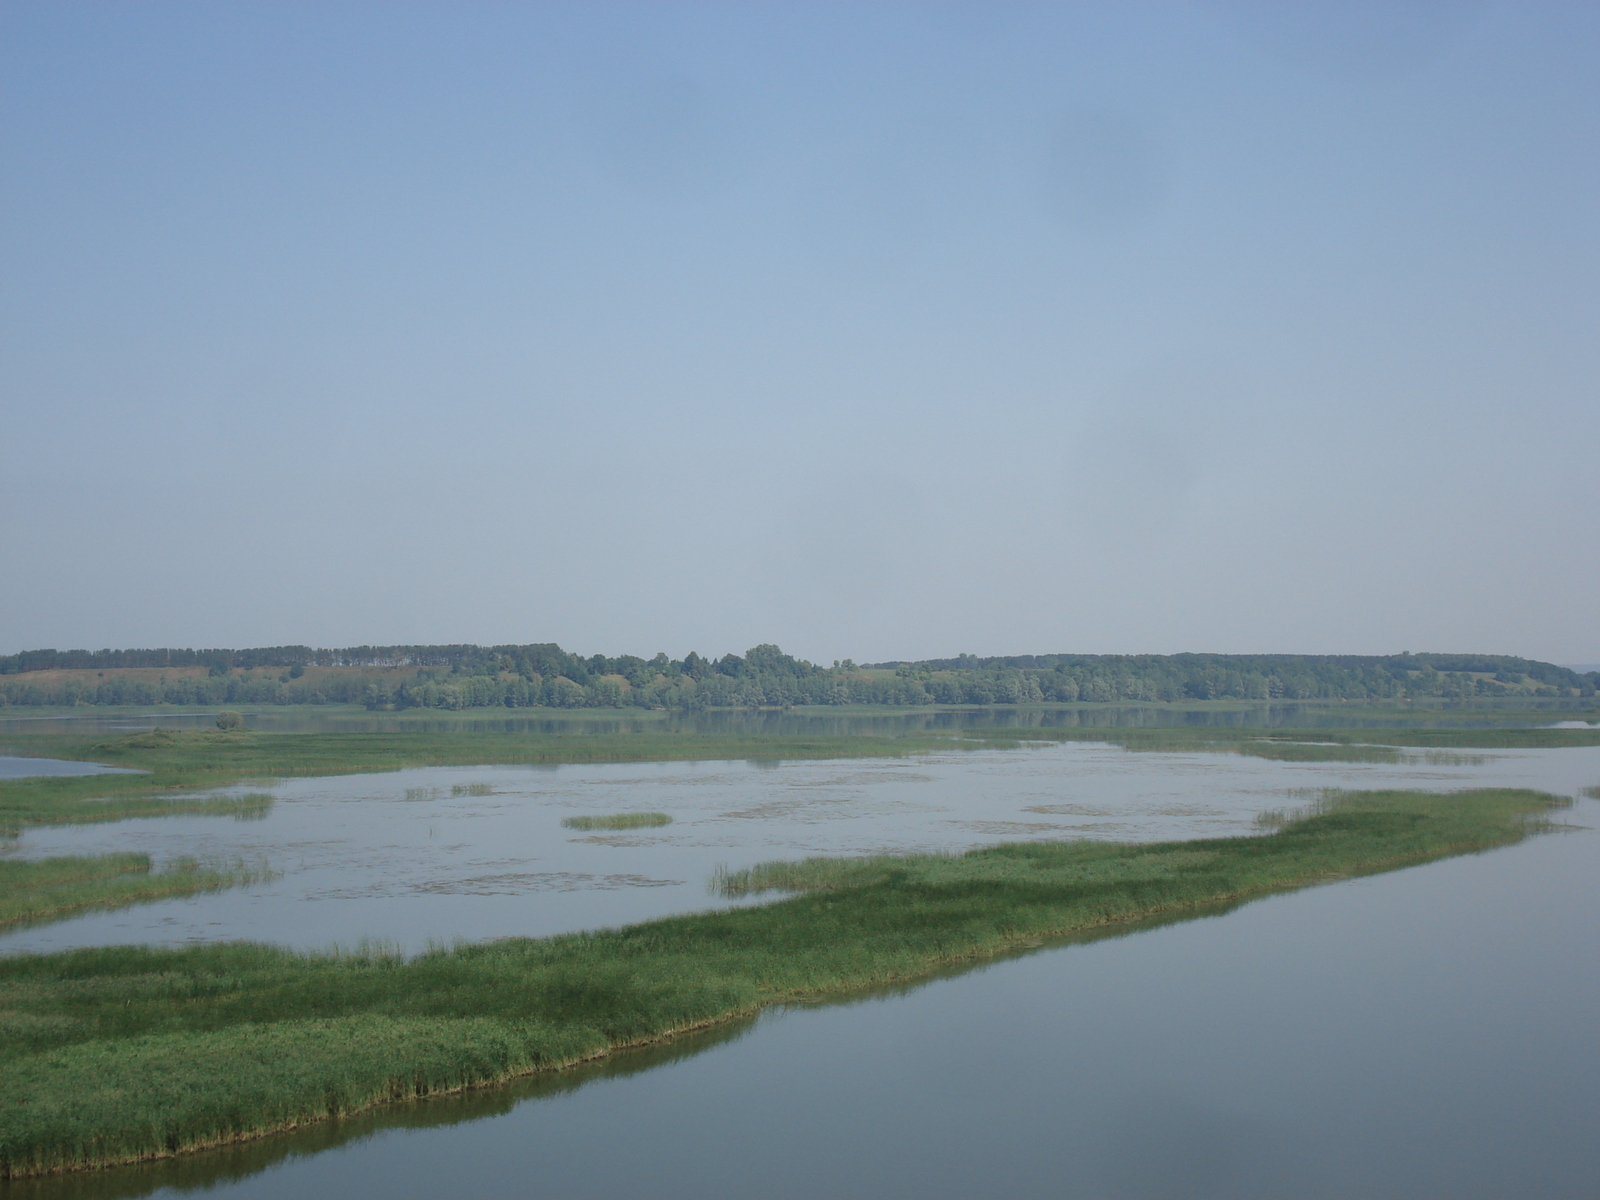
[[1429, 1032]]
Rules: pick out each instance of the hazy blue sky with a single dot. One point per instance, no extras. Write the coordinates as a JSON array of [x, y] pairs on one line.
[[873, 330]]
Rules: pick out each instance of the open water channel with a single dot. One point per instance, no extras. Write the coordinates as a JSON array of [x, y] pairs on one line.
[[1429, 1032]]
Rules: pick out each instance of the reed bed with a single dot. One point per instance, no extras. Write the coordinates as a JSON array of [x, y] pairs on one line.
[[1449, 758], [53, 888], [1302, 745], [631, 820], [184, 766], [123, 1053]]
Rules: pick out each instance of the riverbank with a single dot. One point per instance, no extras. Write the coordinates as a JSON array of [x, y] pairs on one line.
[[115, 1055]]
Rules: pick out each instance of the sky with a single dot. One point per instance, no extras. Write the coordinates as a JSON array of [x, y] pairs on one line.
[[882, 331]]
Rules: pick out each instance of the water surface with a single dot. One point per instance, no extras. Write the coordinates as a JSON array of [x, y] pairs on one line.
[[1422, 1033], [413, 858], [1425, 1033], [14, 766]]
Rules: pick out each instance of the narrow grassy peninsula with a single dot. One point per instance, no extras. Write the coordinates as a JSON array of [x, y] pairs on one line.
[[52, 888], [123, 1053]]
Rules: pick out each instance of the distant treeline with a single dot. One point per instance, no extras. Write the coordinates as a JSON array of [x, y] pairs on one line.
[[1100, 677], [450, 657], [464, 676]]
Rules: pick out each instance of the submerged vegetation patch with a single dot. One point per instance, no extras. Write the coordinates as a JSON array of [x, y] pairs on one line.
[[633, 820], [124, 1053]]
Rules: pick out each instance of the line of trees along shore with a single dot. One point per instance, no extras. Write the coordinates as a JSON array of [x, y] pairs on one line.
[[544, 675]]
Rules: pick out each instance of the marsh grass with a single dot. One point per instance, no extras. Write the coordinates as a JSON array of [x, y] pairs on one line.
[[252, 806], [1592, 793], [51, 800], [123, 1053], [242, 806], [191, 1175], [1318, 802], [1449, 758], [422, 793], [50, 889], [1076, 863], [472, 789], [193, 763], [1299, 745], [821, 873], [633, 820], [1315, 751]]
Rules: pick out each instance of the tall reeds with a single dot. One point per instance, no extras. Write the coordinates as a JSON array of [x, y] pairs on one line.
[[53, 888]]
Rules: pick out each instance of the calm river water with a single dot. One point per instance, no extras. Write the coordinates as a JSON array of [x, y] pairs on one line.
[[1429, 1032]]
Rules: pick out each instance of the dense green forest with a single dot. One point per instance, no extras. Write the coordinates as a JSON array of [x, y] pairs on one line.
[[464, 676]]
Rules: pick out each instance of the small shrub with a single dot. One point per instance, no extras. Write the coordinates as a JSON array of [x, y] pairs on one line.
[[229, 720]]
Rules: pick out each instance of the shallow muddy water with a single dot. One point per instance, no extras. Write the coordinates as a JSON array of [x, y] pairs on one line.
[[412, 858]]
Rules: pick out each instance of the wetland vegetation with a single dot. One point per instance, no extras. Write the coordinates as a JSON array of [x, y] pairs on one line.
[[182, 770], [52, 888], [125, 1053], [1303, 745], [631, 820]]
